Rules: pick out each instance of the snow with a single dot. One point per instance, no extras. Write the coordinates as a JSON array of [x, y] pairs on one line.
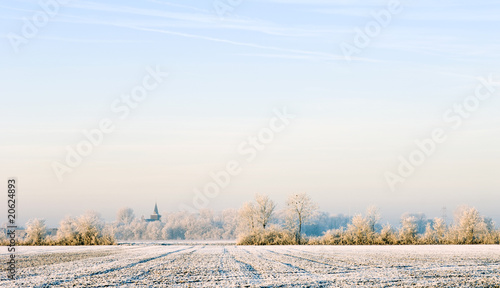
[[27, 250], [148, 265]]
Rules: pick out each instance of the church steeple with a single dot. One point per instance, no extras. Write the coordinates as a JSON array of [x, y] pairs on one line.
[[156, 209], [155, 216]]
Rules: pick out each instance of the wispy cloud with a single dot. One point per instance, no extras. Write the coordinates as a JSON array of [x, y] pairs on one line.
[[187, 20], [320, 55], [178, 5]]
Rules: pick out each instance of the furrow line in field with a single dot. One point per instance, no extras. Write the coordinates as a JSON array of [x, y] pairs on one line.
[[143, 274], [109, 270]]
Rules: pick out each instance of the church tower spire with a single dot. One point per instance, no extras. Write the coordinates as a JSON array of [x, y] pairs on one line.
[[155, 216], [156, 209]]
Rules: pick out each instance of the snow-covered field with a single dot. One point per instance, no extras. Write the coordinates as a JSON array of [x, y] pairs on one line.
[[147, 265]]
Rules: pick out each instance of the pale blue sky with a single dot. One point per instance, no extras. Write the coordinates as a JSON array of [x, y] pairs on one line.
[[225, 78]]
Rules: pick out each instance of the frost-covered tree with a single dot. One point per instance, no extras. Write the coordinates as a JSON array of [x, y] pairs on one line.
[[248, 217], [429, 236], [486, 231], [175, 225], [408, 231], [300, 210], [154, 230], [36, 231], [360, 231], [90, 230], [420, 221], [125, 215], [89, 227], [67, 233], [469, 228], [256, 215], [204, 225], [264, 208], [387, 236], [440, 229], [372, 216], [467, 222], [230, 223], [138, 228]]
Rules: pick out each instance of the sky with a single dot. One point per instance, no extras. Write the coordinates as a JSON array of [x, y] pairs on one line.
[[364, 80]]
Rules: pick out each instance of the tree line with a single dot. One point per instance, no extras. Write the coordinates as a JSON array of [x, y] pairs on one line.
[[87, 229], [259, 222], [468, 227]]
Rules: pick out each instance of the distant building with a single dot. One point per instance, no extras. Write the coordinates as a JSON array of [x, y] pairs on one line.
[[155, 216]]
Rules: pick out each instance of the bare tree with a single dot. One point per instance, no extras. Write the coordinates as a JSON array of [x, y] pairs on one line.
[[300, 210], [264, 208]]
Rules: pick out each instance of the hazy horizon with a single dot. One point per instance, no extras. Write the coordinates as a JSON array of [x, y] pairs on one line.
[[234, 76]]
